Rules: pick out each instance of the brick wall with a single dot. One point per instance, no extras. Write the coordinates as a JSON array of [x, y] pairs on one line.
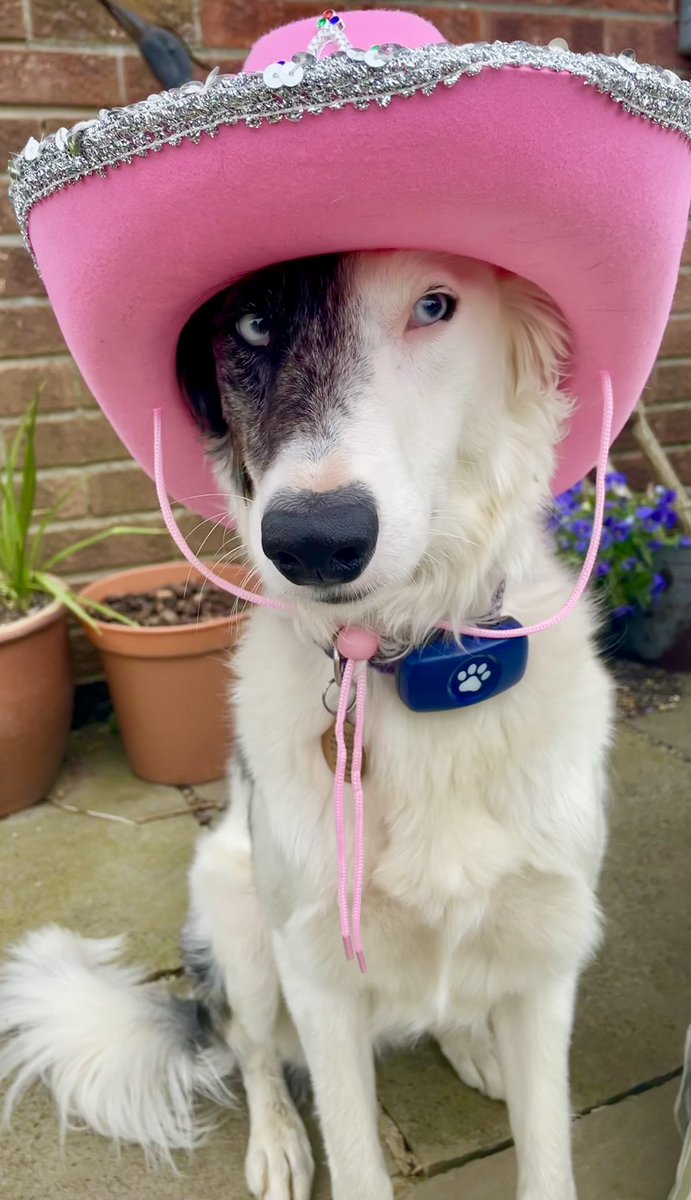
[[61, 59]]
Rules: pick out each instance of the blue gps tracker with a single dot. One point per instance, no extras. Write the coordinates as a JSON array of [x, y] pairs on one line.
[[443, 675]]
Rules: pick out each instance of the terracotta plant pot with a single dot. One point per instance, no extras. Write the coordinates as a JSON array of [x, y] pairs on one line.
[[36, 699], [169, 686]]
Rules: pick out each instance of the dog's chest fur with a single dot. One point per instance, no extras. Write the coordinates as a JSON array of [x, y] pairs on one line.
[[481, 841]]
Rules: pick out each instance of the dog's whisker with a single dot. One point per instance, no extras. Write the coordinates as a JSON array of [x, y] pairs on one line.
[[458, 537], [215, 525]]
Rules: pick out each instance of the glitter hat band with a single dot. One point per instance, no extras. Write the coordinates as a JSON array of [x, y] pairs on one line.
[[571, 170]]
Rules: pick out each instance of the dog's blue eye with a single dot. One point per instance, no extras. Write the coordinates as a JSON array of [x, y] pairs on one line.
[[253, 329], [436, 306]]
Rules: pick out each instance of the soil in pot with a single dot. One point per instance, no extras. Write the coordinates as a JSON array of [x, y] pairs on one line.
[[176, 604], [170, 677], [36, 698]]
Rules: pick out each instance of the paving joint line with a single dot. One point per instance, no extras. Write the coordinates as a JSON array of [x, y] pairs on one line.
[[658, 742], [165, 973], [639, 1089]]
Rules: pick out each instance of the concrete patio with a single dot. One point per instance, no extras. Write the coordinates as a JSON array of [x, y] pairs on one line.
[[103, 876]]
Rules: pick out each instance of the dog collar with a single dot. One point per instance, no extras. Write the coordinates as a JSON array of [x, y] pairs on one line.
[[443, 673]]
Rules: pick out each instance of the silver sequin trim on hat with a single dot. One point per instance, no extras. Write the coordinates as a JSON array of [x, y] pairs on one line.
[[360, 79]]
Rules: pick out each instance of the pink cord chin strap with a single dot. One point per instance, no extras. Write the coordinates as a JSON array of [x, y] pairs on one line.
[[357, 646]]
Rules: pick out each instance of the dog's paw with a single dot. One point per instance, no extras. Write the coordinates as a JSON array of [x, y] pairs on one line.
[[474, 678], [473, 1055], [279, 1163]]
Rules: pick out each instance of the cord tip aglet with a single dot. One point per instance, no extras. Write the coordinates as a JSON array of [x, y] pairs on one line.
[[348, 947]]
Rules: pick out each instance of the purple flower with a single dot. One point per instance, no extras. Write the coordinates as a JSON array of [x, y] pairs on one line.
[[616, 479], [582, 528], [629, 564], [645, 512], [603, 569], [622, 610], [659, 584], [685, 540]]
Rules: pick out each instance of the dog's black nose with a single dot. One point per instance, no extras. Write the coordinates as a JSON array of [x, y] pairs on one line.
[[321, 537]]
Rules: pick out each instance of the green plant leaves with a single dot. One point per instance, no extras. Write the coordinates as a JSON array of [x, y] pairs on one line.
[[24, 570]]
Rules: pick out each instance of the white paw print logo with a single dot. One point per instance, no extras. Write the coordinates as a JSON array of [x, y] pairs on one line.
[[474, 678]]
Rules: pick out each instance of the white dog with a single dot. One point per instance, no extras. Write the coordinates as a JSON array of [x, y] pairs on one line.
[[385, 425]]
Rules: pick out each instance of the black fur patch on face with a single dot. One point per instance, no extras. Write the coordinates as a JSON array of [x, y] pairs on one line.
[[255, 399]]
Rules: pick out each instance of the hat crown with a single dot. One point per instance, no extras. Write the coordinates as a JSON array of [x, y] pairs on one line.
[[363, 29]]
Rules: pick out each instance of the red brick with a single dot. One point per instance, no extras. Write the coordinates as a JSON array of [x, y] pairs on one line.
[[85, 21], [672, 427], [677, 339], [122, 490], [75, 441], [18, 275], [581, 33], [54, 77], [12, 20], [671, 380], [628, 6], [31, 329], [68, 484], [16, 131], [458, 25], [686, 255], [62, 388], [638, 470], [114, 551], [682, 296], [8, 221], [653, 41], [86, 661], [140, 82], [238, 24]]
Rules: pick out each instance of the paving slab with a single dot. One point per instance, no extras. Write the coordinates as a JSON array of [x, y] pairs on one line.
[[214, 793], [673, 727], [88, 1167], [96, 776], [97, 877], [635, 1001], [626, 1152]]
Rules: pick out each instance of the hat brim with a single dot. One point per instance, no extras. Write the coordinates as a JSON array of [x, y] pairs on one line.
[[527, 169]]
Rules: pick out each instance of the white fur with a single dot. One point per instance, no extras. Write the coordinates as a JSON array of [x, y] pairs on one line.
[[485, 828], [98, 1037]]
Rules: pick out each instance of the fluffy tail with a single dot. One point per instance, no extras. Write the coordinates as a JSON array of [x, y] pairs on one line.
[[118, 1054]]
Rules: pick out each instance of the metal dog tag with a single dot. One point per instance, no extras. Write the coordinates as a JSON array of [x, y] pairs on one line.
[[330, 750]]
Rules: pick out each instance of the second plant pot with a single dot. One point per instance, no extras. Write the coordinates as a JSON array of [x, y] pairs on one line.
[[170, 686]]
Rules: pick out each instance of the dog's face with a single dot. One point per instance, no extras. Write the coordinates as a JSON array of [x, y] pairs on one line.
[[352, 400]]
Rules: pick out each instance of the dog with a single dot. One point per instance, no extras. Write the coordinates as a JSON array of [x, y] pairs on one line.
[[384, 426]]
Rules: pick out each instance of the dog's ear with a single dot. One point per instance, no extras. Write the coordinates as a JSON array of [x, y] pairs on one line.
[[538, 337], [196, 368]]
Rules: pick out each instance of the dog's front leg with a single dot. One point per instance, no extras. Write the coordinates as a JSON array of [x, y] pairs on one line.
[[334, 1031], [533, 1032]]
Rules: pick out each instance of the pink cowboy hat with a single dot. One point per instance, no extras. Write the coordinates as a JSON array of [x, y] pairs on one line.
[[571, 170]]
